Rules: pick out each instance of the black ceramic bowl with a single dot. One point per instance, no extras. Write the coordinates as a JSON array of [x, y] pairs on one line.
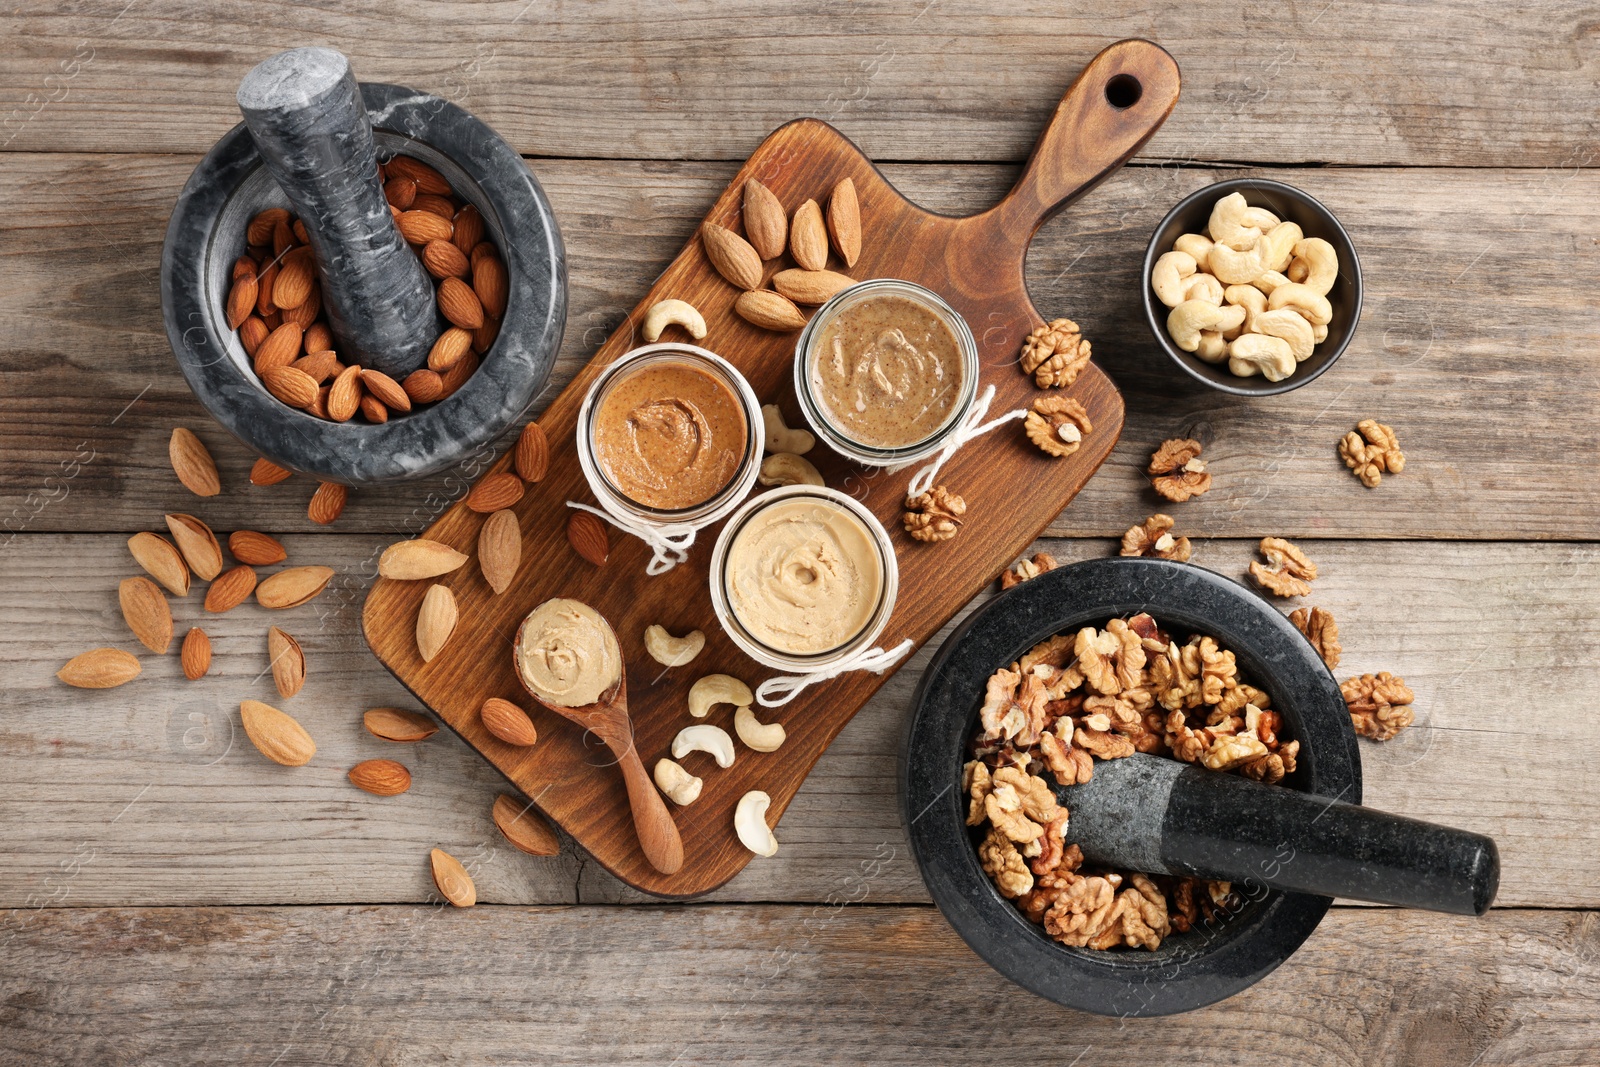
[[1189, 970], [207, 232], [1290, 205]]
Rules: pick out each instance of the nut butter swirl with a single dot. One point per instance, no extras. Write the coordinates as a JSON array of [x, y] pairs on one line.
[[567, 654]]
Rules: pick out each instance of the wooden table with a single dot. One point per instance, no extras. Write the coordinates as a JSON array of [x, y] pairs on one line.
[[173, 898]]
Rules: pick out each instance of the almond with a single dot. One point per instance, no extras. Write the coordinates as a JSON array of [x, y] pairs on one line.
[[288, 662], [587, 535], [444, 260], [524, 827], [436, 621], [380, 777], [192, 463], [318, 337], [457, 376], [161, 561], [320, 365], [469, 229], [500, 549], [385, 389], [293, 586], [532, 456], [145, 611], [345, 396], [100, 668], [810, 286], [304, 314], [259, 232], [423, 386], [373, 409], [264, 304], [400, 192], [508, 722], [420, 558], [327, 502], [765, 223], [198, 545], [195, 654], [294, 387], [439, 205], [769, 310], [281, 348], [492, 286], [808, 237], [459, 304], [449, 348], [319, 403], [276, 735], [282, 237], [420, 227], [452, 879], [844, 221], [398, 724], [294, 281], [732, 255], [242, 299], [495, 492], [251, 334], [266, 472], [232, 588], [256, 549], [483, 337], [428, 180]]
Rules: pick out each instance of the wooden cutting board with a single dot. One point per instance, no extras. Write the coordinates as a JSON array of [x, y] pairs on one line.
[[1013, 490]]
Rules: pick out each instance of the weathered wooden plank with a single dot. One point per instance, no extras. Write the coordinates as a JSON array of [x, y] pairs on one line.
[[1447, 82], [773, 984], [1475, 344], [150, 794]]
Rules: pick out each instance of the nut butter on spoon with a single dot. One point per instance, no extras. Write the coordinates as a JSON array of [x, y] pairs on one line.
[[567, 658]]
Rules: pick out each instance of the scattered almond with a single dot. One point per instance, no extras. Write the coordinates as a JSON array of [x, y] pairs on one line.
[[100, 668], [419, 558], [344, 399], [195, 654], [256, 549], [327, 503], [276, 735], [436, 621], [844, 222], [808, 237], [508, 722], [398, 724], [500, 549], [495, 492], [460, 304], [765, 222], [146, 612], [588, 537], [732, 255], [452, 879], [232, 588], [385, 389], [380, 777], [161, 561], [532, 454], [810, 286], [198, 545], [266, 472], [293, 586], [192, 463], [769, 310], [524, 827], [288, 662]]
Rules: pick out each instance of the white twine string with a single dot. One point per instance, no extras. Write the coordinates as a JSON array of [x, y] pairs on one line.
[[776, 692], [972, 426], [669, 544]]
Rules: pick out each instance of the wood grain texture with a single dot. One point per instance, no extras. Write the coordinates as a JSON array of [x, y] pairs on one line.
[[777, 985], [143, 779], [90, 391], [1446, 82]]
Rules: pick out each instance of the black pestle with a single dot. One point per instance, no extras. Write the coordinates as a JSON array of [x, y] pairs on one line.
[[304, 112], [1146, 813]]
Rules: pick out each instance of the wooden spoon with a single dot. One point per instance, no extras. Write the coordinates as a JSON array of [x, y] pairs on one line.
[[607, 718]]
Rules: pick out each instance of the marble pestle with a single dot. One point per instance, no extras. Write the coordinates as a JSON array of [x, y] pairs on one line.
[[304, 111]]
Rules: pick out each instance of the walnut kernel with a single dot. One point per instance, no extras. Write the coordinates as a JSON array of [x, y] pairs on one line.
[[1057, 424], [1153, 537], [1287, 571], [1024, 569], [1321, 631], [1371, 449], [1055, 354], [1380, 704], [934, 515], [1179, 472]]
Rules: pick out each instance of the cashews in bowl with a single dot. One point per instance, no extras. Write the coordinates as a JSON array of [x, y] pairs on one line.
[[1256, 353], [750, 823], [1168, 275], [1291, 326], [1192, 316], [1315, 264]]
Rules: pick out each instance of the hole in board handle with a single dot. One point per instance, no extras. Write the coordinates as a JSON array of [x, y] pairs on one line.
[[1123, 91]]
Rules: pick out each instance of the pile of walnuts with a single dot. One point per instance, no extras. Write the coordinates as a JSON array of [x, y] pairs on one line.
[[1105, 694]]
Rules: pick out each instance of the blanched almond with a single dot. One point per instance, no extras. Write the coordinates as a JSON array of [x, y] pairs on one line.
[[293, 586], [436, 621], [100, 668], [276, 735], [198, 545], [500, 549], [398, 724], [419, 558], [161, 561], [288, 662], [145, 611]]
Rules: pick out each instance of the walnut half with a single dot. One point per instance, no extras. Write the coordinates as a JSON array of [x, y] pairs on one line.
[[1321, 631], [1024, 569], [1057, 424], [1153, 537], [1287, 571], [934, 515], [1380, 704], [1178, 471], [1055, 354]]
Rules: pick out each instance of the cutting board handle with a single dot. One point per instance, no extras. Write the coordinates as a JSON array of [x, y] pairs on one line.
[[1113, 107]]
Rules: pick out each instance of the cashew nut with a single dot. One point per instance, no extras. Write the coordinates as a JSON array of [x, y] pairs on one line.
[[1197, 246], [681, 787], [664, 313], [703, 737], [1289, 325], [1319, 332], [750, 823], [1260, 218], [1253, 300], [1202, 287], [1230, 225], [1257, 353], [716, 689], [782, 439], [1278, 245], [1186, 321], [756, 736], [1213, 346], [672, 651], [786, 468], [1234, 267], [1269, 281], [1304, 299], [1166, 278], [1316, 263]]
